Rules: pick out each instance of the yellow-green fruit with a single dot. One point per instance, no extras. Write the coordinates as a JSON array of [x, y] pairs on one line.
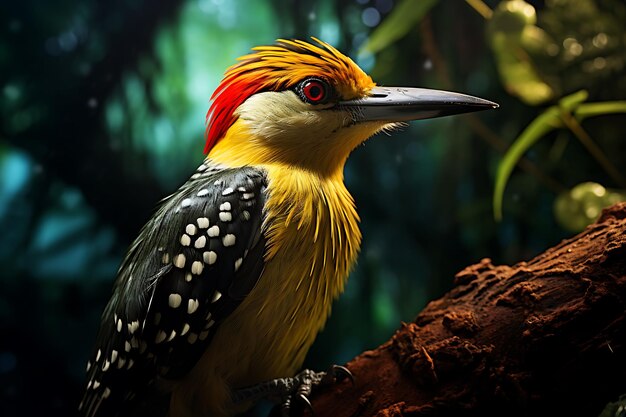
[[510, 17], [577, 208]]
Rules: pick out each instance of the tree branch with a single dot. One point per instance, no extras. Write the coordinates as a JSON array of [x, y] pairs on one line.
[[544, 337]]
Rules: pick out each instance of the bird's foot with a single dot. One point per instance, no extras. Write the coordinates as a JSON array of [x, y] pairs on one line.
[[296, 401], [293, 393]]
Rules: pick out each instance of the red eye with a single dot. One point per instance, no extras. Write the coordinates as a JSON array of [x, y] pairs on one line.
[[314, 91]]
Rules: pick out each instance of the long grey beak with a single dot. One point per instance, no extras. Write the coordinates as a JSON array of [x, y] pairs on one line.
[[400, 104]]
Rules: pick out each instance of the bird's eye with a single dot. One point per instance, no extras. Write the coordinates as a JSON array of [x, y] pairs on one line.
[[314, 91]]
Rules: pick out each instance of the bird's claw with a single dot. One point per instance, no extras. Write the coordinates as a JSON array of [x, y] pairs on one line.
[[306, 403], [337, 374], [296, 405]]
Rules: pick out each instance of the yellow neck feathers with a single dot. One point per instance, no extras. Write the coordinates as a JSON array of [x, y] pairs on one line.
[[313, 217]]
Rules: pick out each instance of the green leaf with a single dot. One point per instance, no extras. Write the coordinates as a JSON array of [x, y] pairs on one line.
[[547, 121], [400, 21], [512, 32]]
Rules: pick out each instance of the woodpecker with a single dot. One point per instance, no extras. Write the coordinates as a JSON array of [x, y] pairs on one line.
[[226, 287]]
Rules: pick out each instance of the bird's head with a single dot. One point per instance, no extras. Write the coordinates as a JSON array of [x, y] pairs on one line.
[[308, 106]]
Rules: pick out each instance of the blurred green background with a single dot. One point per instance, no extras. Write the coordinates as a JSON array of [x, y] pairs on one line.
[[102, 109]]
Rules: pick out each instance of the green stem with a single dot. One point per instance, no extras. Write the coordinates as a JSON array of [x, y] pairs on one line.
[[595, 151], [481, 7]]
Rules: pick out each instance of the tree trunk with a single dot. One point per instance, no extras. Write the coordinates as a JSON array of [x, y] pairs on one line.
[[543, 337]]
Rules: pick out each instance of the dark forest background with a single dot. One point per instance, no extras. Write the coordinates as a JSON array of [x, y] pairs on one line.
[[102, 109]]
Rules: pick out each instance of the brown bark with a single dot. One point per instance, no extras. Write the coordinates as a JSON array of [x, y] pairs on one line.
[[543, 337]]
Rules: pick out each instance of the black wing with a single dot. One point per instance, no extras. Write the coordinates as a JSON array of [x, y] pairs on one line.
[[191, 266]]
